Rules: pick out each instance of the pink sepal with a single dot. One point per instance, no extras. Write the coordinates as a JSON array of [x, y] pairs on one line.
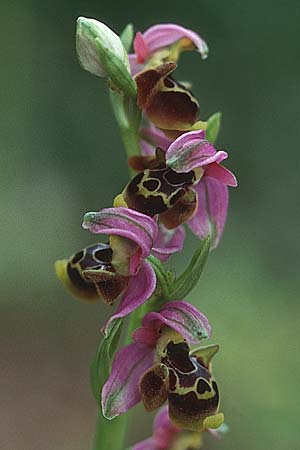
[[165, 34], [148, 444], [210, 216], [140, 288], [191, 150], [124, 222], [155, 137], [220, 173], [140, 48], [181, 317], [168, 242], [121, 391]]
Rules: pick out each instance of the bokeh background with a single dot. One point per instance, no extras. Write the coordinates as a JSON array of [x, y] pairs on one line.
[[61, 156]]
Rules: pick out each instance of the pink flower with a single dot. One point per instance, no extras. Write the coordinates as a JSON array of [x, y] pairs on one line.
[[164, 42], [167, 436], [185, 183], [192, 151], [118, 268], [154, 366], [133, 237]]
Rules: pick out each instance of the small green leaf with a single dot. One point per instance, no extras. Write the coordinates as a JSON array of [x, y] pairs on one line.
[[116, 70], [183, 285], [127, 37], [213, 127], [164, 276], [101, 364]]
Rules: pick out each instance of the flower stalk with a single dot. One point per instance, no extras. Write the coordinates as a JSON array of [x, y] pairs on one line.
[[175, 179]]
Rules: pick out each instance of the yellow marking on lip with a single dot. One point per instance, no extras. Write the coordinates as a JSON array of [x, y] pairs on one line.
[[213, 421]]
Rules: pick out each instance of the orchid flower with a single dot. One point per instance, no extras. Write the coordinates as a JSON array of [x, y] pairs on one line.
[[186, 183], [159, 366], [192, 151], [105, 271], [164, 42]]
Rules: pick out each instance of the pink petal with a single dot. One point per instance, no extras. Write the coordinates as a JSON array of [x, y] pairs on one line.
[[135, 67], [163, 429], [168, 242], [191, 150], [181, 317], [163, 35], [140, 288], [210, 216], [124, 222], [121, 391], [140, 48], [148, 444], [163, 433], [155, 136], [147, 149], [220, 173], [145, 335], [162, 418]]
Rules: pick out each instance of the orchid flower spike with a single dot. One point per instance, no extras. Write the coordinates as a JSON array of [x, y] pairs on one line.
[[164, 42], [160, 367]]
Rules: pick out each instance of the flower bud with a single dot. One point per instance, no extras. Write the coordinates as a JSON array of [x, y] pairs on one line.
[[101, 52], [87, 33]]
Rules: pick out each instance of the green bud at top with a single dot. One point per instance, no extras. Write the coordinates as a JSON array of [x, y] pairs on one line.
[[88, 32], [101, 52]]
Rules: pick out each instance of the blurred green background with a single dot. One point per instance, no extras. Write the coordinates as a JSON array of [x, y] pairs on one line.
[[61, 156]]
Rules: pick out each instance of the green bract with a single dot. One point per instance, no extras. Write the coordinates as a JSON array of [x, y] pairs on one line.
[[213, 127]]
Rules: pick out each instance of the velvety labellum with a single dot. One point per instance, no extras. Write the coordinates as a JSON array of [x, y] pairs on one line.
[[89, 274], [191, 391], [159, 189], [167, 103]]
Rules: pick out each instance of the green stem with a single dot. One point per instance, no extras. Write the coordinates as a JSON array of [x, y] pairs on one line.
[[110, 434], [128, 117]]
